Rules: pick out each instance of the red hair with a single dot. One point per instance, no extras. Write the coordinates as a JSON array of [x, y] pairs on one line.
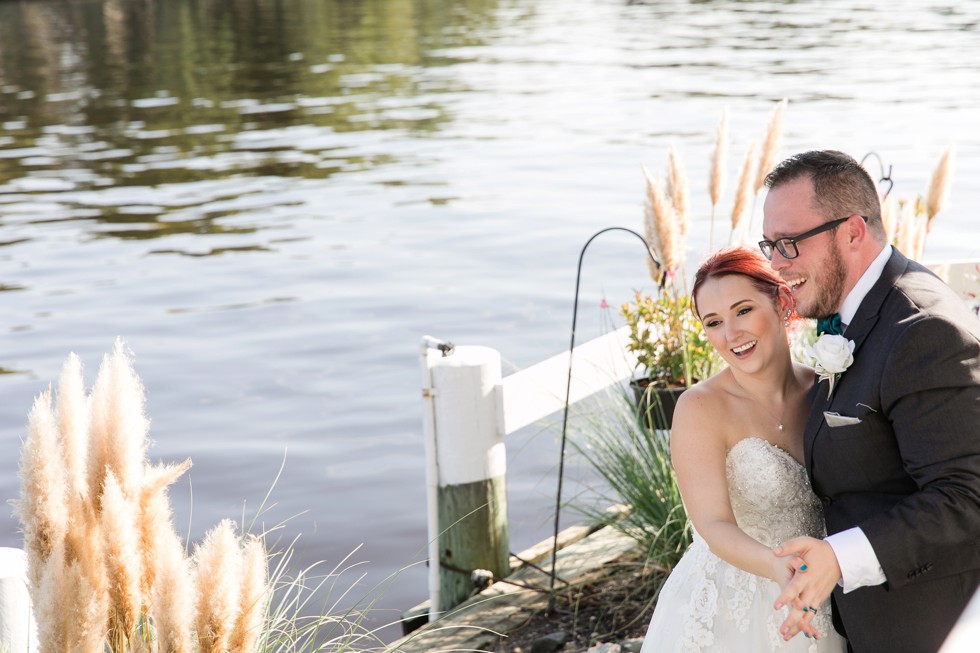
[[744, 262]]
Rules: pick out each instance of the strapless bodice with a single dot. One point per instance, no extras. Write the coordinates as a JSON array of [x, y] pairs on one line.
[[770, 493]]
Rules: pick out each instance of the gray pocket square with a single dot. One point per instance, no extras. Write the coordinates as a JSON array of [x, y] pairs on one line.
[[836, 419]]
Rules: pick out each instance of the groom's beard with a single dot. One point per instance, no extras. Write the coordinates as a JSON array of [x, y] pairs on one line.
[[830, 286]]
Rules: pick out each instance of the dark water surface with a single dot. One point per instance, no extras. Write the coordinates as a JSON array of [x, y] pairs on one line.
[[271, 202]]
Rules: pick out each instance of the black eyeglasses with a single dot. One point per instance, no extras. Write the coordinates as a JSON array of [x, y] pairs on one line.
[[787, 246]]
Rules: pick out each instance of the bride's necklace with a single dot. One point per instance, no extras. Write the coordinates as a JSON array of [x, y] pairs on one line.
[[779, 420]]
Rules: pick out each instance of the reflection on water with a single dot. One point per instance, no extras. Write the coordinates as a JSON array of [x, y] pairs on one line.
[[272, 201], [156, 97]]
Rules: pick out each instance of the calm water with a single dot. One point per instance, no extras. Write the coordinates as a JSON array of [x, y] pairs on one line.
[[271, 202]]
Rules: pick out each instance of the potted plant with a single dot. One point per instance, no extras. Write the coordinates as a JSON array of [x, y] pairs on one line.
[[671, 349]]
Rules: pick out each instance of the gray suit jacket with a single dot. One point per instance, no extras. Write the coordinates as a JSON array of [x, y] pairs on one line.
[[909, 473]]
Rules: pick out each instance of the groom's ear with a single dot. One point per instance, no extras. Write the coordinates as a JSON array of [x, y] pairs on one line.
[[856, 230]]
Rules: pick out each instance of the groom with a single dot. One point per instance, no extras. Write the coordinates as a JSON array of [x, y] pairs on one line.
[[893, 452]]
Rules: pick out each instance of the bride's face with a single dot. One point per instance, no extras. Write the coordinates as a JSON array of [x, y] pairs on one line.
[[742, 323]]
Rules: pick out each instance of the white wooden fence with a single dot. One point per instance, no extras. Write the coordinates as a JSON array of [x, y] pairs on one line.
[[469, 410]]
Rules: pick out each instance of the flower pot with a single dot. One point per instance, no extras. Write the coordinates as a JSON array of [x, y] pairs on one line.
[[655, 404]]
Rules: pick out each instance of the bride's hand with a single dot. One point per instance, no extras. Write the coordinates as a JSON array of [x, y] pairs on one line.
[[784, 570], [810, 586]]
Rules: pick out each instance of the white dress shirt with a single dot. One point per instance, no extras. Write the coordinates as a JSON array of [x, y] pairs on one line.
[[859, 565]]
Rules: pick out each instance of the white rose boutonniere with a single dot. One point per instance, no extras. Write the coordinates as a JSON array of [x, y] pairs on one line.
[[831, 355]]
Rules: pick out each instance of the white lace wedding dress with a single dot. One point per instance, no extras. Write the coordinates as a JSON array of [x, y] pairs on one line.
[[709, 605]]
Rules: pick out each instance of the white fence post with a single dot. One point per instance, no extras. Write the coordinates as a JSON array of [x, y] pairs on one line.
[[18, 632], [466, 466]]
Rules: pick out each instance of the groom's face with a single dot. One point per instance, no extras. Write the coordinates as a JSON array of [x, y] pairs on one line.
[[817, 275]]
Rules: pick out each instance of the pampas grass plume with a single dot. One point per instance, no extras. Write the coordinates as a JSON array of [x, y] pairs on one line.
[[889, 212], [87, 617], [156, 518], [120, 524], [84, 541], [52, 603], [716, 184], [719, 165], [650, 231], [70, 613], [771, 145], [174, 596], [664, 224], [119, 425], [218, 566], [73, 427], [255, 590], [743, 193], [86, 547], [903, 227], [42, 508], [677, 189], [107, 570], [939, 186]]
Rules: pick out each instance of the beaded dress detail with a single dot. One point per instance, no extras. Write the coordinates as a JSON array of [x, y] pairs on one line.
[[710, 605]]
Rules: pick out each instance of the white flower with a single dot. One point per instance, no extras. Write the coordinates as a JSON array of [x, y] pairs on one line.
[[831, 355]]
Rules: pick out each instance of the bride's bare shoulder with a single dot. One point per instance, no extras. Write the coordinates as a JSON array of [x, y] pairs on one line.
[[703, 405], [713, 389]]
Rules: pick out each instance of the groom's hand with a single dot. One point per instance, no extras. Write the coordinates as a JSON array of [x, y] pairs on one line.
[[813, 582]]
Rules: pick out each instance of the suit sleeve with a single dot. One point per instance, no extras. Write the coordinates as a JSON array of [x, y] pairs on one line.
[[931, 395]]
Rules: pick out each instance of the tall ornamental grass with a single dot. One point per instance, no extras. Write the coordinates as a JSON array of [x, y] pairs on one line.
[[633, 460], [108, 571]]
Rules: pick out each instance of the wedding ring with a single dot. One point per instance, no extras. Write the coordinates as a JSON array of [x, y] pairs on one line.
[[813, 610]]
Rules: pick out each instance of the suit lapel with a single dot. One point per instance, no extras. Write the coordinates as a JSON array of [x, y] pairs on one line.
[[818, 396], [858, 330], [867, 313]]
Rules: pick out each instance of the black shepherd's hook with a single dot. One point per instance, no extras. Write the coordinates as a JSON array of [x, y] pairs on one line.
[[568, 389], [885, 176]]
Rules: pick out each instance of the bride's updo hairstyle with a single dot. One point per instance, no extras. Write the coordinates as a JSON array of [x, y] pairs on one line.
[[745, 262]]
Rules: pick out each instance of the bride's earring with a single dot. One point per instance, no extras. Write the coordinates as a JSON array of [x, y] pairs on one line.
[[786, 319]]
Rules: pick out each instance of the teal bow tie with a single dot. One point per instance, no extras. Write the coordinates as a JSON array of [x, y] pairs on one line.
[[830, 324]]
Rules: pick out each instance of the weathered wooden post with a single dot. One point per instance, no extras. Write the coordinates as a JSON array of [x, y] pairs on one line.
[[466, 465]]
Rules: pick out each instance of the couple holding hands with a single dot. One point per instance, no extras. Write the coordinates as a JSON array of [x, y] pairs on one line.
[[836, 508]]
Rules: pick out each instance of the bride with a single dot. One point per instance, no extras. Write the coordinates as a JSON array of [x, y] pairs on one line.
[[736, 446]]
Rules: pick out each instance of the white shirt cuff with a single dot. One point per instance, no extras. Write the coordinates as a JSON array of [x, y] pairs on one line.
[[859, 565]]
